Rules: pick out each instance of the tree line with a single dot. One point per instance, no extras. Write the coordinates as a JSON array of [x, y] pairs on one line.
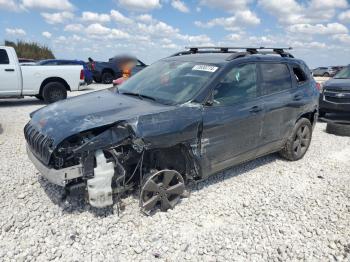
[[31, 50]]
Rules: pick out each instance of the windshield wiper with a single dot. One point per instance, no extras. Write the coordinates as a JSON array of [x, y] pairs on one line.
[[141, 96]]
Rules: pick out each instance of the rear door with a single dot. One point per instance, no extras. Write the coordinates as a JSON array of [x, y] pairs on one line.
[[10, 84], [232, 122], [276, 88], [282, 100]]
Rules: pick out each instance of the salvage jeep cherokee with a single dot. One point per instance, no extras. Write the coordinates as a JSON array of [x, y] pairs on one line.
[[181, 119]]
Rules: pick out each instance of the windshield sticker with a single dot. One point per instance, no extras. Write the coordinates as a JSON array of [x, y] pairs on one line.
[[206, 68]]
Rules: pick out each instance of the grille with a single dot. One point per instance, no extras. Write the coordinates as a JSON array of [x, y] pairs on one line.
[[39, 143], [337, 96]]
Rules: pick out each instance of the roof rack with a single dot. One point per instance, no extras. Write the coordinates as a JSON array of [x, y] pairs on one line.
[[237, 54]]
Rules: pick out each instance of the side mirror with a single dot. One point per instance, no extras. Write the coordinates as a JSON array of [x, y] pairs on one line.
[[210, 100]]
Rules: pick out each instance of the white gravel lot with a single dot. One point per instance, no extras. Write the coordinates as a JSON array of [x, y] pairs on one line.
[[267, 209]]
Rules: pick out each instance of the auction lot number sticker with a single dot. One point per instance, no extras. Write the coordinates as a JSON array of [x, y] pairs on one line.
[[206, 68]]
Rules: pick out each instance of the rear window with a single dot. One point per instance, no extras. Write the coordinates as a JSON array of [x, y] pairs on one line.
[[4, 59], [275, 78], [299, 74]]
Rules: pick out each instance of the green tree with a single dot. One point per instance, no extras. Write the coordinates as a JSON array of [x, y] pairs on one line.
[[31, 50]]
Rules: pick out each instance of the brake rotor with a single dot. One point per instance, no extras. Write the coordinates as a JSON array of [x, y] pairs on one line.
[[162, 189]]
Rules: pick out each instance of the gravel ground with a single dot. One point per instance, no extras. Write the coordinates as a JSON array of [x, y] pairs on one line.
[[267, 209]]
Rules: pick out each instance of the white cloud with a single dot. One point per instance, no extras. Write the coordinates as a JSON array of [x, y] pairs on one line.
[[57, 18], [233, 23], [294, 12], [233, 37], [145, 18], [140, 5], [95, 17], [179, 5], [98, 30], [319, 29], [46, 34], [9, 5], [74, 28], [48, 4], [343, 38], [231, 6], [15, 31], [344, 16], [120, 18]]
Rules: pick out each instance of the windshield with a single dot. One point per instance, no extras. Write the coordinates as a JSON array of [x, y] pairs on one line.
[[169, 82], [344, 73]]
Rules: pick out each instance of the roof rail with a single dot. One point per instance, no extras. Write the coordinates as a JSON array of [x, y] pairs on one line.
[[237, 54]]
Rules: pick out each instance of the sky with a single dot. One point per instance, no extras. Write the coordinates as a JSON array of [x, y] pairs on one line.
[[318, 30]]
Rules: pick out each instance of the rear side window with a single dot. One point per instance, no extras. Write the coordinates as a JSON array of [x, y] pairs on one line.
[[4, 59], [275, 78], [299, 74]]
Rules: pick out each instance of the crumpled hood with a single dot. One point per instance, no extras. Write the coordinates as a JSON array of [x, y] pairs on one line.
[[338, 84], [71, 116]]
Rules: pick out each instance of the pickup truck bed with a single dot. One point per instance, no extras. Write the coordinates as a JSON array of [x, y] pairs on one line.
[[49, 83]]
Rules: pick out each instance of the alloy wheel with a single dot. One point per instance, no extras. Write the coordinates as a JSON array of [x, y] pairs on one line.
[[163, 188]]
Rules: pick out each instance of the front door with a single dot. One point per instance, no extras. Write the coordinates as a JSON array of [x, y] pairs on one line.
[[10, 84], [232, 121]]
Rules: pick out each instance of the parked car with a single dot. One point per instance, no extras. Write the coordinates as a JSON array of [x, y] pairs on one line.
[[26, 61], [181, 119], [325, 71], [87, 73], [49, 83], [335, 95], [106, 72]]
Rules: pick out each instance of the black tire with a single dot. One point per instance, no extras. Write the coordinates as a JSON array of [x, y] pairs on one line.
[[53, 92], [298, 143], [107, 78], [326, 75], [40, 97], [97, 80], [338, 129], [321, 114]]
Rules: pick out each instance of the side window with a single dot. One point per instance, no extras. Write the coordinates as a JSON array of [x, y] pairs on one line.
[[299, 74], [275, 78], [4, 59], [238, 84]]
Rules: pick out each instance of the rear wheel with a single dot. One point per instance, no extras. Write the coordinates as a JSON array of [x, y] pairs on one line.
[[53, 92], [326, 74], [338, 129], [107, 78], [299, 142], [162, 189], [40, 97]]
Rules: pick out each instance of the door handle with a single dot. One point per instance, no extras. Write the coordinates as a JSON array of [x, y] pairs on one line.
[[9, 70], [255, 109], [297, 97]]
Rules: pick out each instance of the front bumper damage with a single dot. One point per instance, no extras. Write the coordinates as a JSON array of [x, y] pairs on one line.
[[99, 187], [58, 177]]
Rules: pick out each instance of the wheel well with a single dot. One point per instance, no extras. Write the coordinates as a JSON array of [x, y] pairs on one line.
[[310, 116], [54, 79], [177, 158]]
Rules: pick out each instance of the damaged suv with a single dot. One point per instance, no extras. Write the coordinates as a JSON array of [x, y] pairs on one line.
[[181, 119]]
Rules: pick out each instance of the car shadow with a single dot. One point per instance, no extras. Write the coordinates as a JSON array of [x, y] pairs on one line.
[[16, 102], [76, 202]]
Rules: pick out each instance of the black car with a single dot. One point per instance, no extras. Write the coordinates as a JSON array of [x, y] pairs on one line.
[[335, 96], [106, 72], [181, 119]]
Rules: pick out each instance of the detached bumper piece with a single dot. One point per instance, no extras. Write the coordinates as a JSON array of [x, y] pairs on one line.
[[58, 177], [100, 186]]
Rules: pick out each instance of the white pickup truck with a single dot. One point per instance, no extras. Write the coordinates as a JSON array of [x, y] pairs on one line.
[[49, 83]]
